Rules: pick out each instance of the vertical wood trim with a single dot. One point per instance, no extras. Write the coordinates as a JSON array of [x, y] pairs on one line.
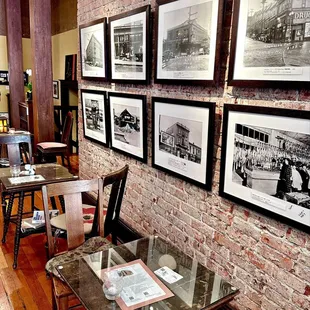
[[42, 76], [15, 57]]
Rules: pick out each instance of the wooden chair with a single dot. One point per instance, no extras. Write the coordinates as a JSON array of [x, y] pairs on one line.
[[117, 181], [72, 193], [58, 148]]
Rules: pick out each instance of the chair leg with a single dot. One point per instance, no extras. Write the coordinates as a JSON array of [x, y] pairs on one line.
[[62, 303], [68, 160], [7, 217], [3, 205], [32, 202], [63, 159]]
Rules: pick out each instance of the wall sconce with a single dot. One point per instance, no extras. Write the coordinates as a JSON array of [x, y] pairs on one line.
[[3, 124]]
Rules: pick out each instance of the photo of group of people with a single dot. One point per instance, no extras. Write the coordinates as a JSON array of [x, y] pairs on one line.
[[280, 161]]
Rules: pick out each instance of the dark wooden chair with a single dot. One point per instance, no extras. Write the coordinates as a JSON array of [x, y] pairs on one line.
[[103, 226], [61, 148]]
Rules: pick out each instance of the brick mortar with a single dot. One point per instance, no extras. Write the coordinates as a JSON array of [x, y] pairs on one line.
[[223, 236]]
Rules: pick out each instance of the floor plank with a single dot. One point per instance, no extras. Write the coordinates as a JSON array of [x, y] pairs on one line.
[[27, 287]]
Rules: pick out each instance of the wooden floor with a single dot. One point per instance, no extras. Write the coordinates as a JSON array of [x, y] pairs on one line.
[[27, 287]]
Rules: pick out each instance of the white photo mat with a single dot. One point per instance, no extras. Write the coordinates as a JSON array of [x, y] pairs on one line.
[[123, 21], [179, 165], [261, 199], [130, 102], [85, 34], [193, 75], [101, 137], [285, 73]]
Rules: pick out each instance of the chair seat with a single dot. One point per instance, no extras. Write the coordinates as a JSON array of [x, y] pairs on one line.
[[51, 145], [88, 218], [90, 246]]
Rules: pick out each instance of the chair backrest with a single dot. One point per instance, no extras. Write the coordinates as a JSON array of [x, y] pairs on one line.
[[72, 193], [13, 142], [66, 131], [117, 180]]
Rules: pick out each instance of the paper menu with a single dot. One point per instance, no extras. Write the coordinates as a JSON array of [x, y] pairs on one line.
[[168, 275], [141, 286]]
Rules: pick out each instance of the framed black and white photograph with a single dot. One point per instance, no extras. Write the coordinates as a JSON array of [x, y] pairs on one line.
[[130, 37], [93, 49], [265, 163], [56, 89], [183, 139], [188, 41], [95, 117], [128, 118], [270, 44]]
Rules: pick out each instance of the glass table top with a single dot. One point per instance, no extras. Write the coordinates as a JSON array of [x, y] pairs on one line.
[[200, 288], [48, 173]]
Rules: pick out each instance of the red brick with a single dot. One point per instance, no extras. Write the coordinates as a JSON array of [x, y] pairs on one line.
[[219, 233], [280, 245]]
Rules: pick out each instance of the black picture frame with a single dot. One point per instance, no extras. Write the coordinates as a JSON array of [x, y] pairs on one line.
[[70, 67], [256, 141], [275, 46], [90, 29], [184, 158], [125, 56], [161, 56], [56, 89], [4, 77], [91, 133], [125, 143]]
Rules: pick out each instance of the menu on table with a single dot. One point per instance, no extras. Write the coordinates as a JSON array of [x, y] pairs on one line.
[[141, 286]]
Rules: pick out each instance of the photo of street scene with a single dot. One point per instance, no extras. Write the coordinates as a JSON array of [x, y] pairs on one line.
[[92, 50], [277, 33], [186, 41], [180, 137], [94, 115], [128, 47], [273, 162], [127, 124]]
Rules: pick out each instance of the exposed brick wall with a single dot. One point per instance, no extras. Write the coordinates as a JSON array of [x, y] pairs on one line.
[[267, 260]]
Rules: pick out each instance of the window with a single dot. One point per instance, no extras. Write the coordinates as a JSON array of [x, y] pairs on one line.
[[297, 4], [239, 128]]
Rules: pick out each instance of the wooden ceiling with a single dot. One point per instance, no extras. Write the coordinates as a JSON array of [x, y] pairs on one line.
[[64, 16]]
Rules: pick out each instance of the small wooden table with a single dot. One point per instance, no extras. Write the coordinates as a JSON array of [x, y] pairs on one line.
[[200, 288], [51, 173]]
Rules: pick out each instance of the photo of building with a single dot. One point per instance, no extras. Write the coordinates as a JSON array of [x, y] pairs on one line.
[[187, 36], [94, 50], [176, 138], [128, 43], [127, 124], [278, 33]]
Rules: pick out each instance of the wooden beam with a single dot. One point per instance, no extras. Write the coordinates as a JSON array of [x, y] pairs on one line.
[[15, 57], [42, 77]]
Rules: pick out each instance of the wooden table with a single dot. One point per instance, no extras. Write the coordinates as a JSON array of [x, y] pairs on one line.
[[200, 288], [52, 173]]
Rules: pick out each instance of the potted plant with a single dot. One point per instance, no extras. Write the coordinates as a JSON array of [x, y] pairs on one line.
[[29, 91]]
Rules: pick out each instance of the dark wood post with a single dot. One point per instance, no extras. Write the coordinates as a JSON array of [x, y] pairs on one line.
[[42, 77], [15, 57]]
